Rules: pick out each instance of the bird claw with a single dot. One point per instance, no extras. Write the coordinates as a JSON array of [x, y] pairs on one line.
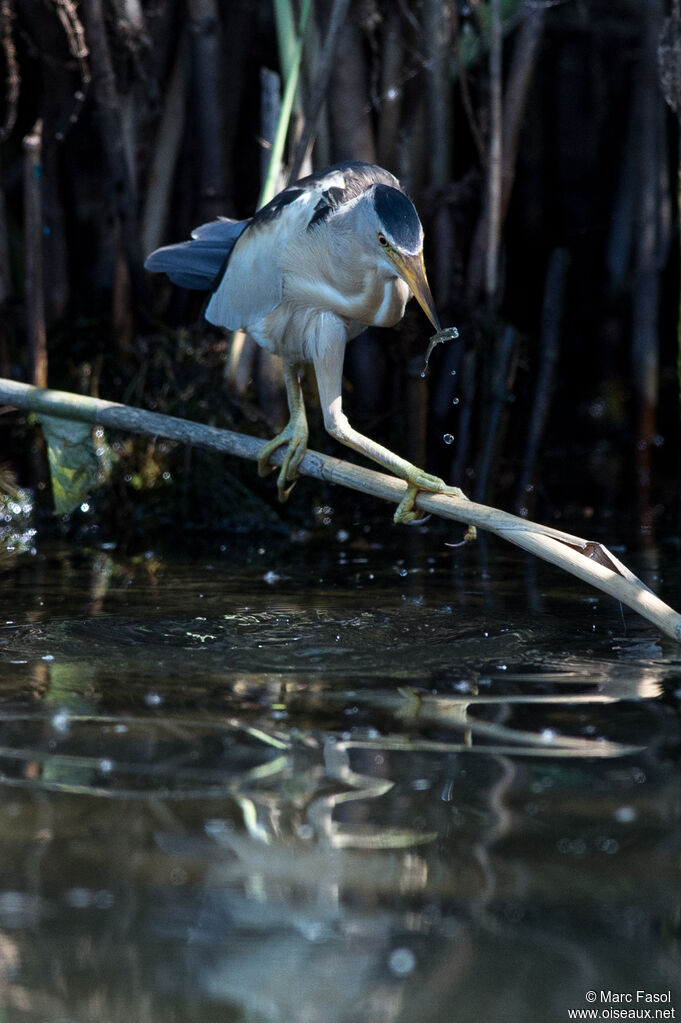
[[284, 490], [419, 522], [296, 439]]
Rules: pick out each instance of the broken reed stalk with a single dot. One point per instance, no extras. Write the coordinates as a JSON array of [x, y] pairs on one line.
[[494, 159], [269, 187], [547, 367], [502, 386], [119, 182], [438, 90], [33, 247], [207, 52], [507, 117], [586, 559], [12, 76], [645, 317], [320, 85], [165, 154], [239, 366]]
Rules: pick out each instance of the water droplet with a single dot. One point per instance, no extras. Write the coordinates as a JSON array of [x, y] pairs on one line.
[[423, 374], [455, 401], [79, 898], [104, 899], [448, 438], [61, 722], [452, 372], [402, 961], [607, 845], [215, 826]]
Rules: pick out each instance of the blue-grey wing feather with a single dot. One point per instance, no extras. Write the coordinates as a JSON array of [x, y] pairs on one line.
[[196, 264]]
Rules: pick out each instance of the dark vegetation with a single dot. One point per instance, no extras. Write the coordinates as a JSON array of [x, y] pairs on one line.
[[539, 141]]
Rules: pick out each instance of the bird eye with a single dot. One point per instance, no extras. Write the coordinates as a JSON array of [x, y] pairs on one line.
[[382, 240]]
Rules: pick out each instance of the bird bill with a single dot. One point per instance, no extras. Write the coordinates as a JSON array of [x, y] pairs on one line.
[[412, 270]]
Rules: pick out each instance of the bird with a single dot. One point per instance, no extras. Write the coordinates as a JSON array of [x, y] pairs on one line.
[[333, 253]]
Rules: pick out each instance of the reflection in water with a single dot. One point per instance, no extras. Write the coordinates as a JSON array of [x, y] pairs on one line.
[[397, 794]]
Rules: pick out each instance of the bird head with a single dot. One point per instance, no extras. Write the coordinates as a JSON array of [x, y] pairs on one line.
[[399, 237]]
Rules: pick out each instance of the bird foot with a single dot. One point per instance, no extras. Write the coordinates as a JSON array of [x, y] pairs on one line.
[[405, 512], [294, 435]]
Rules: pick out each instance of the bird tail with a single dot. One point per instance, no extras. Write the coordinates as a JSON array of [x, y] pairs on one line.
[[195, 264]]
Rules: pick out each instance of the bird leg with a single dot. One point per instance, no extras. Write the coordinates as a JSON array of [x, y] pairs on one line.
[[294, 435], [328, 364]]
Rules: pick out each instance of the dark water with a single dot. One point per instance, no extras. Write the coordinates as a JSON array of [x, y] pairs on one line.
[[371, 779]]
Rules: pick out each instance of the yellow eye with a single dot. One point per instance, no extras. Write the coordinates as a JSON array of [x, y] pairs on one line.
[[382, 240]]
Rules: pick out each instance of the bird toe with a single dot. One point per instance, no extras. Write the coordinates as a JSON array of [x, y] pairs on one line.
[[407, 514], [284, 489], [268, 449], [404, 513]]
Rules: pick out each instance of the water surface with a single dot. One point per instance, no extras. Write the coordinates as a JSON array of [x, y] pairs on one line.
[[369, 778]]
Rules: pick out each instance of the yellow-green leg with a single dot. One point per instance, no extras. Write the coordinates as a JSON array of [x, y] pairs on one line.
[[328, 364], [294, 435]]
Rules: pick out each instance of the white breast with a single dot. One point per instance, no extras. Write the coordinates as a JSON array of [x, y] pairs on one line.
[[342, 278], [278, 293]]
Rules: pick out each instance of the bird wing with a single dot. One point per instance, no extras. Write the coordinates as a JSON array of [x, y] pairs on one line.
[[251, 282], [241, 261], [196, 264]]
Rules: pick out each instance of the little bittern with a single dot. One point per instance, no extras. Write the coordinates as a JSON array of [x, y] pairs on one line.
[[330, 255]]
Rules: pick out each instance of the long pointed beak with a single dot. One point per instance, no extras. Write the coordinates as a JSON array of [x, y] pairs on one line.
[[412, 269]]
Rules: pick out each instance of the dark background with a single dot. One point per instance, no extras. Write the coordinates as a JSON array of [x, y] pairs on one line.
[[562, 392]]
